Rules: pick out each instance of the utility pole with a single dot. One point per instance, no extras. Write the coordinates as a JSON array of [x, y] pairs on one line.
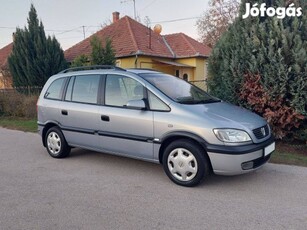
[[123, 1], [83, 32]]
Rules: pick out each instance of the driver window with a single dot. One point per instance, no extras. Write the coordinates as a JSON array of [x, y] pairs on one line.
[[120, 89]]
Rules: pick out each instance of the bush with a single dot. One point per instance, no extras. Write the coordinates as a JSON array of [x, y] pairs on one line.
[[283, 119], [16, 104], [272, 52]]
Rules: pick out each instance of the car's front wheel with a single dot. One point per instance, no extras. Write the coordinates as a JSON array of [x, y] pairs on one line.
[[185, 162], [56, 144]]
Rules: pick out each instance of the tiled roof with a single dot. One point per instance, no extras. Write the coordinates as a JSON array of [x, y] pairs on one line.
[[4, 54], [130, 37], [185, 46]]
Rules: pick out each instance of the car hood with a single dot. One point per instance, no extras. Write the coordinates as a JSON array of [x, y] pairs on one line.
[[225, 115]]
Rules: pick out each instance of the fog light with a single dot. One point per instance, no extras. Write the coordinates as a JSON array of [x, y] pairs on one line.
[[247, 165]]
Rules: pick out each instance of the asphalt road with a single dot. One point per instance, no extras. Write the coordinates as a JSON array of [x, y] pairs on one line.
[[92, 190]]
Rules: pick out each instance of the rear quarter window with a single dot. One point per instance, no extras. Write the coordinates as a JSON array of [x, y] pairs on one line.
[[55, 89]]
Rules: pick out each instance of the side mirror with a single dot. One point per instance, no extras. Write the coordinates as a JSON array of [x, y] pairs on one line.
[[136, 104]]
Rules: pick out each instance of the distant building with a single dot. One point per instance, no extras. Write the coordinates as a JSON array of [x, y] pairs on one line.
[[5, 76], [137, 46]]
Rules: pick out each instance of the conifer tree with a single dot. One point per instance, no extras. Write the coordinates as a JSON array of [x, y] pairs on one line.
[[102, 55], [97, 55], [34, 57], [272, 48], [109, 54]]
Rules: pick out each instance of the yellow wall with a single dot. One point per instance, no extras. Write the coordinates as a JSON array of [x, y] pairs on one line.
[[199, 72], [1, 81], [5, 80], [144, 62], [196, 73]]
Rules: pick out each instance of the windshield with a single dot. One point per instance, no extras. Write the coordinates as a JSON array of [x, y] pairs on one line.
[[178, 89]]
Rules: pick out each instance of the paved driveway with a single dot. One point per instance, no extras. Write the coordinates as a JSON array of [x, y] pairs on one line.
[[92, 190]]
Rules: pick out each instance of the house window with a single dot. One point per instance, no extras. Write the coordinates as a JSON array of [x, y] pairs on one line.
[[177, 73], [185, 77], [206, 71]]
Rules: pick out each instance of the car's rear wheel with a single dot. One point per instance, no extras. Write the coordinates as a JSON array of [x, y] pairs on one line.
[[185, 162], [56, 144]]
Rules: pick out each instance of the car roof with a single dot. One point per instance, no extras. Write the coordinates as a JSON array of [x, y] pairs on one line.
[[142, 71], [105, 69]]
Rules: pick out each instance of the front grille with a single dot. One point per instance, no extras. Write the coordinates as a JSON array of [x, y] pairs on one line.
[[261, 132]]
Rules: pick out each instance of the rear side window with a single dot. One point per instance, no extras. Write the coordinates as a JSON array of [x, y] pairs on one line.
[[83, 89], [55, 89]]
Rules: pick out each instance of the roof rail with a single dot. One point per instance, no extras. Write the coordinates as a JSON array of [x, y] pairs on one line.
[[92, 67]]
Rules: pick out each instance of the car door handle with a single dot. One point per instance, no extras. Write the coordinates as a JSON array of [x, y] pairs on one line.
[[64, 112], [105, 118]]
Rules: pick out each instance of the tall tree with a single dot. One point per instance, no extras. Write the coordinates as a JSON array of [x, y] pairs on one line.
[[100, 55], [109, 53], [34, 57], [97, 55], [260, 63], [216, 20]]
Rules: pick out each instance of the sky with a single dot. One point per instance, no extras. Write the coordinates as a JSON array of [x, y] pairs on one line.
[[70, 20]]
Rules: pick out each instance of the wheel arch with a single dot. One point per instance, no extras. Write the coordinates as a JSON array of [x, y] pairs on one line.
[[45, 130], [167, 139]]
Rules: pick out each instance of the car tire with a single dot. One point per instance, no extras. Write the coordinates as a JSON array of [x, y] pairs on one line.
[[185, 162], [56, 144]]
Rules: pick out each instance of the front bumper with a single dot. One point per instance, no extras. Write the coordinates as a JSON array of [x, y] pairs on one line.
[[234, 160]]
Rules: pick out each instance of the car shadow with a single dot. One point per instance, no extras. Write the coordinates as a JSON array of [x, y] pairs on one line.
[[148, 169]]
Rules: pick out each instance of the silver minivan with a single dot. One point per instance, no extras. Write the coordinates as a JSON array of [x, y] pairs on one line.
[[151, 116]]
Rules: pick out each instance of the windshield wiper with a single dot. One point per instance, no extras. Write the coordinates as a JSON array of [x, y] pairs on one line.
[[207, 101]]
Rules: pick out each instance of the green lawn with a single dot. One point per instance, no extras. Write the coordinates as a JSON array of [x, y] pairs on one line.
[[290, 154], [289, 159], [284, 153], [26, 125]]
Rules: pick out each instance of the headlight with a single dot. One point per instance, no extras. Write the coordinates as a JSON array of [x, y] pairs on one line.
[[231, 135]]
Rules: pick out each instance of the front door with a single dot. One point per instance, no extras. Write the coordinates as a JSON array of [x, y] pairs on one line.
[[123, 130]]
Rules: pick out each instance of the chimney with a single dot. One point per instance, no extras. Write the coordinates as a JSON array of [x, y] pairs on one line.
[[13, 36], [115, 16]]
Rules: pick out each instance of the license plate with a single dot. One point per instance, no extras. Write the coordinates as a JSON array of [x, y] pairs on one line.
[[269, 149]]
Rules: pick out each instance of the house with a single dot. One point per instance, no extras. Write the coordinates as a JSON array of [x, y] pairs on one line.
[[137, 46], [5, 77]]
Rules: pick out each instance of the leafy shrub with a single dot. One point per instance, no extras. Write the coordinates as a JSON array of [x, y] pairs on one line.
[[283, 119], [16, 104], [276, 50]]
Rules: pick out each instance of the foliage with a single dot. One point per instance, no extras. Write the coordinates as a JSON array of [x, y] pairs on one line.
[[216, 20], [281, 117], [102, 55], [109, 53], [15, 104], [97, 55], [34, 57], [81, 60], [274, 50]]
